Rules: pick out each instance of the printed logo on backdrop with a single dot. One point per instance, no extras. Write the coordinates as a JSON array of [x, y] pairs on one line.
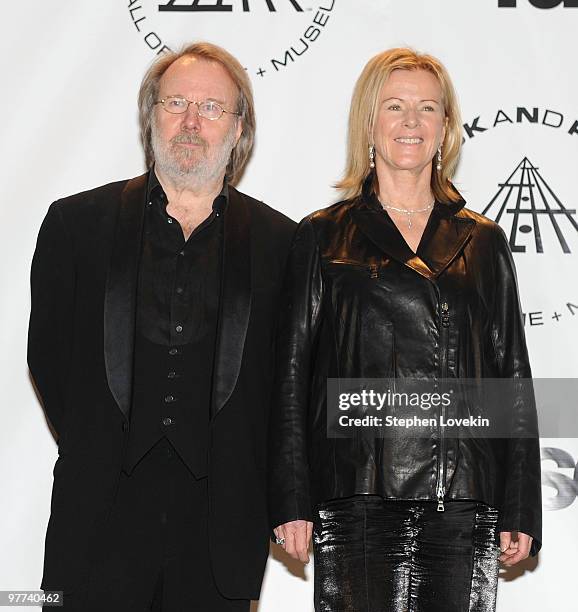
[[542, 4], [563, 479], [523, 158], [267, 36]]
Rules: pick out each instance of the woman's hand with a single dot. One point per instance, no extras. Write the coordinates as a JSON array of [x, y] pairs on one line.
[[514, 546], [297, 536]]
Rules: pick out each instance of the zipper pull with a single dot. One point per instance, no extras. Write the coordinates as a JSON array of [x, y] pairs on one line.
[[441, 493], [373, 271], [445, 315]]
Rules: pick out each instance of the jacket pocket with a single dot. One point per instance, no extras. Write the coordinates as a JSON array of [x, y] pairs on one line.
[[371, 269]]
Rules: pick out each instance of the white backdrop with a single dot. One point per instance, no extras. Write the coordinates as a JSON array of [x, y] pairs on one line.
[[71, 71]]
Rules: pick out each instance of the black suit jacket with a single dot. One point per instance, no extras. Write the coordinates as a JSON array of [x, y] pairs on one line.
[[80, 354]]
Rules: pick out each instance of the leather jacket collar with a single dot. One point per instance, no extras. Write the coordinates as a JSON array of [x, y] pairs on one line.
[[444, 236]]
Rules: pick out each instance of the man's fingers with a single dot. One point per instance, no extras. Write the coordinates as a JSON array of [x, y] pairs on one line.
[[309, 535], [309, 532], [297, 535], [279, 531], [523, 544], [506, 556], [513, 559], [289, 545], [302, 544], [505, 539], [517, 549]]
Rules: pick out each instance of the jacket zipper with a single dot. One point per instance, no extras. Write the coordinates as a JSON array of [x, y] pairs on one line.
[[445, 324]]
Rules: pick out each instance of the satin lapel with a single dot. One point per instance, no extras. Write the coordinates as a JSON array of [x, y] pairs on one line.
[[120, 295], [235, 299], [443, 239], [381, 230]]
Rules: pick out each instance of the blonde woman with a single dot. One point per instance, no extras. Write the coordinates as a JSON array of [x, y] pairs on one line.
[[401, 280]]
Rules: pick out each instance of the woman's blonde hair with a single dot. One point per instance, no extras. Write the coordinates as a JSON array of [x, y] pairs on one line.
[[149, 91], [363, 115]]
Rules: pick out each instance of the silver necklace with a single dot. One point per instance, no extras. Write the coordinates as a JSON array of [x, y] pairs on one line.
[[407, 212]]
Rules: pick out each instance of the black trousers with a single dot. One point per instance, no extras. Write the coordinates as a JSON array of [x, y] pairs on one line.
[[155, 552], [375, 555]]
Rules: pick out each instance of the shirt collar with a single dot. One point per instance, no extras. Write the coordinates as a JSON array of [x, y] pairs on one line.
[[156, 193]]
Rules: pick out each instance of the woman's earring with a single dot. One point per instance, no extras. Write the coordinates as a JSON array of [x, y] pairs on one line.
[[439, 164], [371, 156]]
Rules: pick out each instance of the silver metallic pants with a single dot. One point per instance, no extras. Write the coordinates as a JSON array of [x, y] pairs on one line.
[[375, 555]]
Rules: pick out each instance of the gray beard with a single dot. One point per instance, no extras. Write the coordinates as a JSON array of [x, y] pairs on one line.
[[192, 168]]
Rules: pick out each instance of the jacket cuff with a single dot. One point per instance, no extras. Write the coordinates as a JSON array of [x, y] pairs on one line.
[[286, 515]]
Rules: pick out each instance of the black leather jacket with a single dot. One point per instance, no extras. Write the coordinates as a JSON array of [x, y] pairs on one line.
[[360, 303]]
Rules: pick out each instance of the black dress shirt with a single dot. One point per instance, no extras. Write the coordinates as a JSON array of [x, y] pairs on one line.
[[179, 281], [177, 317]]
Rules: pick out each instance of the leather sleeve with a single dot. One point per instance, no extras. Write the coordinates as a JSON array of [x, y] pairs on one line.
[[522, 509], [289, 489], [52, 280]]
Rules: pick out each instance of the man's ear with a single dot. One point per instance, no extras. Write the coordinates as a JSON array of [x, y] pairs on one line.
[[239, 130]]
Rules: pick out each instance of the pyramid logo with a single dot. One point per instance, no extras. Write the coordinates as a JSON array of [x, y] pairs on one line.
[[526, 201]]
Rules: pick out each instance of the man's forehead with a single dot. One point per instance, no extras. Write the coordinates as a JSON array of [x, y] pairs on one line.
[[191, 73]]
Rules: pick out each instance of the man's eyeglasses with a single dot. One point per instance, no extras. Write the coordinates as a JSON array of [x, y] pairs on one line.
[[176, 105]]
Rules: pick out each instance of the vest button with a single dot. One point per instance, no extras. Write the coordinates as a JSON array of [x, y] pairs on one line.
[[168, 421], [169, 399]]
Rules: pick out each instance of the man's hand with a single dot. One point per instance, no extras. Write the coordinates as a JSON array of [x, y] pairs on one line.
[[297, 535], [514, 546]]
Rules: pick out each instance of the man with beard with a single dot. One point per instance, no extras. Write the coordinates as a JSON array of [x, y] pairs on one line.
[[151, 345]]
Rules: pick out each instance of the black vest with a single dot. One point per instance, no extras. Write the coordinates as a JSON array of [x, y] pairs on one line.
[[171, 397]]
